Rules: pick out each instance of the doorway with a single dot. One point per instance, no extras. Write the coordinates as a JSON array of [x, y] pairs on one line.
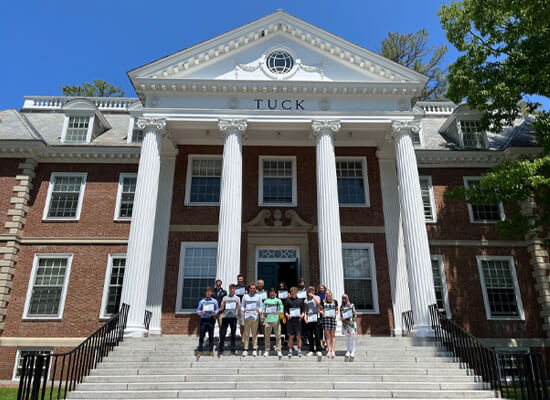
[[277, 265]]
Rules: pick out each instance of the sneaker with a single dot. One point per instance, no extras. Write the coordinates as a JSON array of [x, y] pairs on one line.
[[299, 352], [352, 356], [346, 356], [280, 355], [309, 354], [254, 353], [245, 353], [319, 354], [199, 353], [289, 354], [266, 353]]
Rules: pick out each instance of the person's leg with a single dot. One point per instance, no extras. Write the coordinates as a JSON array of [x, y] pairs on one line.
[[255, 324], [223, 331], [211, 325], [267, 335], [318, 332], [348, 343], [202, 332], [277, 329], [352, 340], [333, 340], [233, 325], [309, 330], [246, 333]]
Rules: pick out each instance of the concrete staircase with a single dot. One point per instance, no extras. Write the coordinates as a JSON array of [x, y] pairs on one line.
[[384, 367]]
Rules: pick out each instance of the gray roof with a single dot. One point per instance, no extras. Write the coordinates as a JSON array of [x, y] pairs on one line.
[[13, 126]]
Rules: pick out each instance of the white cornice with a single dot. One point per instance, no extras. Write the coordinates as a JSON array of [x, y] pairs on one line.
[[462, 158]]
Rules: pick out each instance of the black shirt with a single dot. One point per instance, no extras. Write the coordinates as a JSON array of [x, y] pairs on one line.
[[219, 294], [294, 303]]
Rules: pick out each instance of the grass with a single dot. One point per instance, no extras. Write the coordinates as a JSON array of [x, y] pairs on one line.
[[11, 394]]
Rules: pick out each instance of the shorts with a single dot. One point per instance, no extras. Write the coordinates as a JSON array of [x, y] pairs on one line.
[[294, 327], [240, 318]]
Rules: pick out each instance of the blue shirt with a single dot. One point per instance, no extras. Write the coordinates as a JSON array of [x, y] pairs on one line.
[[207, 314]]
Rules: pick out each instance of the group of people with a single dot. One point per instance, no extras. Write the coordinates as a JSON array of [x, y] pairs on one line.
[[300, 314]]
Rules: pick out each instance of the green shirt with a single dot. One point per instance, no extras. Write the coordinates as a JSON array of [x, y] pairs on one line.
[[272, 302]]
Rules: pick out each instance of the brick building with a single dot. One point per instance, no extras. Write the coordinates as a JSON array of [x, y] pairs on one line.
[[276, 150]]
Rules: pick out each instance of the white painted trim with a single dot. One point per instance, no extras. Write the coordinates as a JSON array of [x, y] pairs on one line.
[[189, 177], [38, 256], [420, 136], [183, 247], [258, 259], [432, 199], [131, 129], [510, 259], [18, 356], [108, 273], [79, 113], [370, 248], [261, 159], [470, 209], [119, 195], [439, 259], [84, 175], [365, 180]]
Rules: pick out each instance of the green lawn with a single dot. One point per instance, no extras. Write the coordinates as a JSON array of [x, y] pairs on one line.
[[8, 394]]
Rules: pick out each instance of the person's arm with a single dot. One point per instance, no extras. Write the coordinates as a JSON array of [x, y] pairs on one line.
[[321, 309], [258, 304], [287, 309], [222, 306], [317, 299], [302, 310], [199, 308], [354, 313], [216, 307]]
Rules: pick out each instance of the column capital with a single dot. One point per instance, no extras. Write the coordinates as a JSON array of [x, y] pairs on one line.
[[156, 124], [225, 125], [321, 125], [404, 127]]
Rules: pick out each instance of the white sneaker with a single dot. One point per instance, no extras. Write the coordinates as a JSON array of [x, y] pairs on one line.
[[352, 356], [266, 353], [254, 353], [280, 355], [309, 354], [319, 354], [299, 353], [245, 353], [347, 354], [290, 354]]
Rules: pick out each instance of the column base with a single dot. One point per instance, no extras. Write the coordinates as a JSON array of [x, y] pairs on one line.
[[422, 331], [135, 332], [154, 331], [397, 332]]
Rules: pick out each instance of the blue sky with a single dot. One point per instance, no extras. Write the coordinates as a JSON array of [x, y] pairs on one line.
[[47, 44]]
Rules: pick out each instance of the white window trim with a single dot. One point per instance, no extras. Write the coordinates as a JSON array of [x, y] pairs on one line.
[[84, 175], [370, 248], [91, 123], [18, 356], [420, 136], [519, 303], [432, 199], [119, 196], [439, 259], [363, 161], [108, 272], [38, 256], [261, 180], [131, 127], [482, 135], [189, 176], [183, 247], [471, 210]]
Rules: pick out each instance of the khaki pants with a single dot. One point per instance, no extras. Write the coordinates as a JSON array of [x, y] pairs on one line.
[[219, 319], [276, 327], [251, 329]]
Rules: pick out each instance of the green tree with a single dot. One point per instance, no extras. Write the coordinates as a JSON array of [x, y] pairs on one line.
[[412, 51], [99, 88], [505, 58]]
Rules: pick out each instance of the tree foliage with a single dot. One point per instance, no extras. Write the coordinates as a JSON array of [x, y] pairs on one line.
[[505, 58], [99, 88], [412, 51]]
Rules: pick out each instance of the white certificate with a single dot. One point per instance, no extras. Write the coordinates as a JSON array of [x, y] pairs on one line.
[[271, 309], [294, 312], [251, 306], [311, 318], [263, 295], [301, 294], [347, 314], [231, 305], [208, 307], [239, 291], [330, 313], [283, 294]]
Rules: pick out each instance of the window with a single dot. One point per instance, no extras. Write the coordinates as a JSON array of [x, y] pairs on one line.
[[112, 290], [472, 136], [360, 276], [279, 62], [352, 182], [500, 287], [483, 213], [48, 286], [203, 180], [428, 200], [277, 181], [125, 196], [197, 271], [65, 195], [21, 352], [137, 135], [440, 286], [77, 129]]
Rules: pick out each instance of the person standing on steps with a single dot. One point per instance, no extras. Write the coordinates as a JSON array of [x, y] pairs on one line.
[[252, 305], [240, 290], [282, 294], [207, 310], [321, 289], [263, 295], [219, 294], [349, 328], [302, 294], [329, 310], [272, 308], [313, 329], [294, 311], [230, 306]]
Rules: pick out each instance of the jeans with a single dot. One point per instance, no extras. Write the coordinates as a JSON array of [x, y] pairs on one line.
[[314, 330], [350, 343], [232, 323], [251, 329], [269, 326], [207, 325]]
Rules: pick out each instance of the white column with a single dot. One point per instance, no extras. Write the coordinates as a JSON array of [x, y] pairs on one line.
[[395, 246], [155, 291], [140, 242], [228, 261], [328, 210], [417, 250]]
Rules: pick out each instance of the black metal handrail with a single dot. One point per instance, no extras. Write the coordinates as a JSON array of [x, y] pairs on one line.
[[407, 322], [514, 375], [58, 374]]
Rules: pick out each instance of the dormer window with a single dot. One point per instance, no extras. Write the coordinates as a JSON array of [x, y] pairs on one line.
[[83, 122], [472, 135], [77, 130]]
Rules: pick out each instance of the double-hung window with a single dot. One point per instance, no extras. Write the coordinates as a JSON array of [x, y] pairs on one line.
[[500, 287], [472, 135], [22, 352], [360, 276], [440, 285], [112, 290], [197, 271], [65, 195], [352, 182], [48, 286], [428, 199], [483, 213], [125, 196], [277, 181], [77, 129], [203, 180]]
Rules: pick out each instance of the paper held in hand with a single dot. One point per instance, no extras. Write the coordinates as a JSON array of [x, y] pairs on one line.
[[230, 305], [301, 294], [294, 312], [263, 295], [239, 291], [271, 309], [251, 306], [283, 294], [208, 307], [330, 313], [348, 314], [311, 318]]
